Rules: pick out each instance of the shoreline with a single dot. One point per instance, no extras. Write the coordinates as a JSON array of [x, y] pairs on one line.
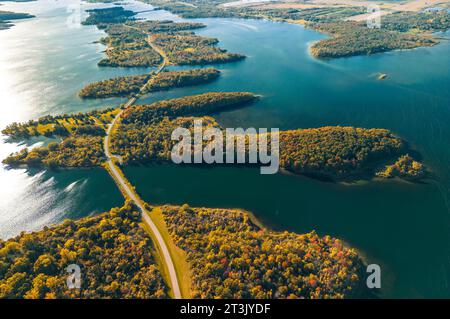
[[308, 25], [351, 179]]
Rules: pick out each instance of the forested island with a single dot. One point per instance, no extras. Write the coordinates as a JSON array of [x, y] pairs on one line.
[[126, 85], [186, 48], [102, 17], [92, 122], [351, 38], [7, 16], [164, 26], [231, 257], [127, 47], [201, 104], [406, 167], [114, 253], [118, 86], [132, 43]]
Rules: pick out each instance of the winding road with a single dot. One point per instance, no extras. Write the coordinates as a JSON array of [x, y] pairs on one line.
[[124, 185]]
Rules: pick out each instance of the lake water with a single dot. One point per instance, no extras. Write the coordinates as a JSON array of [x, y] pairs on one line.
[[402, 226]]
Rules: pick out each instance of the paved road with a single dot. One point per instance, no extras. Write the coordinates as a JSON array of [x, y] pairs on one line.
[[122, 182]]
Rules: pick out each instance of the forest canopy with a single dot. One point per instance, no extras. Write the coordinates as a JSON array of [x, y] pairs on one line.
[[127, 85], [74, 151], [331, 152], [112, 250], [108, 15], [201, 104], [337, 151], [406, 167], [186, 48], [144, 135], [93, 123], [350, 38], [130, 42], [230, 257]]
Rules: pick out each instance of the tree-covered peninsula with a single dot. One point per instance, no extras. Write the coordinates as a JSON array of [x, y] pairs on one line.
[[201, 104], [91, 123], [227, 254], [82, 144], [114, 253], [108, 15], [7, 16], [186, 48], [127, 47], [133, 43], [406, 167], [338, 153], [231, 257], [73, 151], [144, 135], [351, 38], [127, 85]]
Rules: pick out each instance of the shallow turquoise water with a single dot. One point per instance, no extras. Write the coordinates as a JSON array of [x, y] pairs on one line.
[[402, 226]]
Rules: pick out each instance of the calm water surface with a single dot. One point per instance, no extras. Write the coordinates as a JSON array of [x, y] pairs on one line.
[[402, 226]]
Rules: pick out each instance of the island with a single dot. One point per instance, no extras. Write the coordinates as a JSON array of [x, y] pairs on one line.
[[138, 43], [124, 86], [102, 17], [62, 125], [231, 257], [7, 16], [406, 167]]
